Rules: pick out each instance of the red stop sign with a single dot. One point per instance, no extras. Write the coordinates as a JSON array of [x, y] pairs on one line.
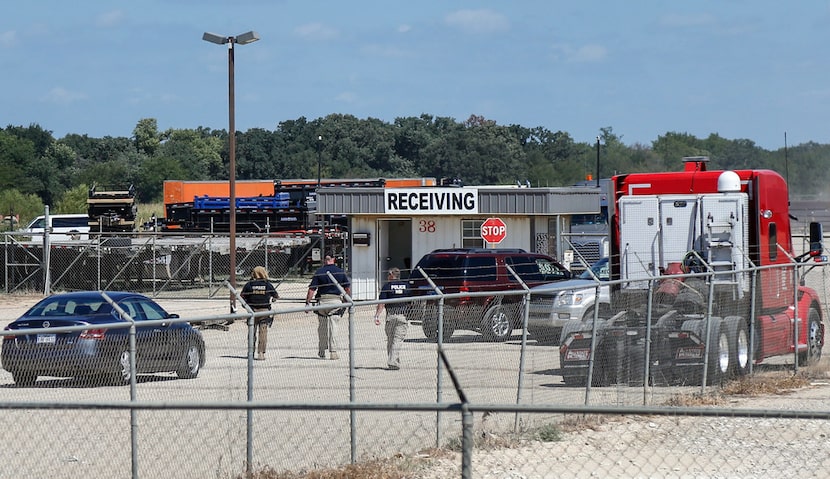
[[493, 230]]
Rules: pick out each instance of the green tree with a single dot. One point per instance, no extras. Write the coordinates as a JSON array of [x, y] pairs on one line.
[[146, 136], [25, 206], [198, 153], [151, 176], [17, 160], [73, 200]]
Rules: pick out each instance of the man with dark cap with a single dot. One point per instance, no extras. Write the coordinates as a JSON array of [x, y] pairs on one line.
[[326, 292]]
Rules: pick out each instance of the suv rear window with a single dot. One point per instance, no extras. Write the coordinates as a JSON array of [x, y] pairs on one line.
[[472, 268]]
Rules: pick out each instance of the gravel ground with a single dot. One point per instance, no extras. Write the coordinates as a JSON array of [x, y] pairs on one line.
[[673, 447]]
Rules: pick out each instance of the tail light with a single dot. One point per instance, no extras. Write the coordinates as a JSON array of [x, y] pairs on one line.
[[464, 289], [97, 334]]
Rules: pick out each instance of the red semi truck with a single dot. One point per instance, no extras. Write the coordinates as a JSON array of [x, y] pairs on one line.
[[683, 248]]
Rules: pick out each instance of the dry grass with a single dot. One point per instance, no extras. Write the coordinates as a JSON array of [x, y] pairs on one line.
[[778, 382], [763, 382], [581, 422], [396, 467]]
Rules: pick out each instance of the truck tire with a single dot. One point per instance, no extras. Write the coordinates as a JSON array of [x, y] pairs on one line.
[[718, 359], [739, 356], [719, 352], [814, 339]]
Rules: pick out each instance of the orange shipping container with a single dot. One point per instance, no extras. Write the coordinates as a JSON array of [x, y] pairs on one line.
[[177, 191]]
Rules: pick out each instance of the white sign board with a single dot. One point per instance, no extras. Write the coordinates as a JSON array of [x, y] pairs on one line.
[[430, 201]]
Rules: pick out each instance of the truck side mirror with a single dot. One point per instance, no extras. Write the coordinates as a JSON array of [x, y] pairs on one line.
[[816, 237]]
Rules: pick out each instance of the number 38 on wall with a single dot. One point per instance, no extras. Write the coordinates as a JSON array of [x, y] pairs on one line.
[[426, 226]]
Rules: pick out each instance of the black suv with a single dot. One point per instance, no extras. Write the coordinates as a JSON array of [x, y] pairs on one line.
[[474, 270]]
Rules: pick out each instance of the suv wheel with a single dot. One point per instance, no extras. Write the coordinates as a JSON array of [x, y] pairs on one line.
[[430, 327], [496, 324]]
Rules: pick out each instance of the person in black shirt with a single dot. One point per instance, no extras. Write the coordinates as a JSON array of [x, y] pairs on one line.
[[396, 322], [259, 293], [325, 291]]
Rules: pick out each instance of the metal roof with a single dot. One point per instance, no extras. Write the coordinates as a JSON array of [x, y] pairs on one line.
[[502, 200]]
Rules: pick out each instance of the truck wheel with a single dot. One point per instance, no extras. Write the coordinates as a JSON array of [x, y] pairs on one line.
[[497, 324], [738, 334], [605, 371], [718, 352], [814, 339]]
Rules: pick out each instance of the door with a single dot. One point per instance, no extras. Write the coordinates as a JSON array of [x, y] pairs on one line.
[[394, 247]]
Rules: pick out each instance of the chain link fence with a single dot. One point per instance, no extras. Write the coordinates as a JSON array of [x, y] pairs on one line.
[[158, 264], [459, 406]]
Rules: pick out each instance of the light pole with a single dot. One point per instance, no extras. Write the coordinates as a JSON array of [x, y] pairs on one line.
[[319, 158], [243, 39], [597, 162]]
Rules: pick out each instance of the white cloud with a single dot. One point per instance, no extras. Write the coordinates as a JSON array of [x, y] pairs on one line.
[[478, 21], [109, 19], [404, 28], [589, 53], [347, 97], [584, 54], [8, 39], [63, 96], [316, 31]]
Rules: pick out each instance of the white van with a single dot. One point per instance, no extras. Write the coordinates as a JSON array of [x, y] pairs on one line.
[[64, 227]]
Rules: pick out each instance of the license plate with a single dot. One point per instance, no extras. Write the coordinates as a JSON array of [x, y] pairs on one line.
[[689, 353], [577, 354], [45, 339]]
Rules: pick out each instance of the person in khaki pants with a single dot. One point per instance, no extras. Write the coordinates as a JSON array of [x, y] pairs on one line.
[[325, 291], [396, 322], [259, 293]]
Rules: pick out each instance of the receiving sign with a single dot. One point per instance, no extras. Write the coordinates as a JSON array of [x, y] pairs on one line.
[[430, 201]]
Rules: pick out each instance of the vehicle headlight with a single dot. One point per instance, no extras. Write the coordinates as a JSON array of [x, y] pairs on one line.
[[569, 298]]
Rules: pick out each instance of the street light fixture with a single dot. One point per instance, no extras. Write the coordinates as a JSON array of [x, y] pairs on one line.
[[242, 39]]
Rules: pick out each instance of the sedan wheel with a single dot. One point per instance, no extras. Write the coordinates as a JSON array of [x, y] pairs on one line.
[[191, 362], [24, 379], [122, 374]]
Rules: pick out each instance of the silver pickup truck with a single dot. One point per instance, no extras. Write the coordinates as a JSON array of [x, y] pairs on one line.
[[554, 304]]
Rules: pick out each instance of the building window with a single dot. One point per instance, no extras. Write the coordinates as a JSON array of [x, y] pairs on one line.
[[471, 234]]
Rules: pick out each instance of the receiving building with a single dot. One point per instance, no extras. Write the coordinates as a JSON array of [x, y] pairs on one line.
[[395, 227]]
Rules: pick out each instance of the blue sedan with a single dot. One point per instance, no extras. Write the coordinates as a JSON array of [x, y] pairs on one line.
[[96, 349]]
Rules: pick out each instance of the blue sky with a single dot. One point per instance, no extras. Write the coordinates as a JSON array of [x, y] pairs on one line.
[[739, 68]]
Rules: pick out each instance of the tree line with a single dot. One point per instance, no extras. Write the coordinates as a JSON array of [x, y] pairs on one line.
[[37, 169]]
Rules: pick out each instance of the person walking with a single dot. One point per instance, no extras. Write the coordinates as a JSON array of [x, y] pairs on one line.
[[396, 322], [259, 293], [324, 291]]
